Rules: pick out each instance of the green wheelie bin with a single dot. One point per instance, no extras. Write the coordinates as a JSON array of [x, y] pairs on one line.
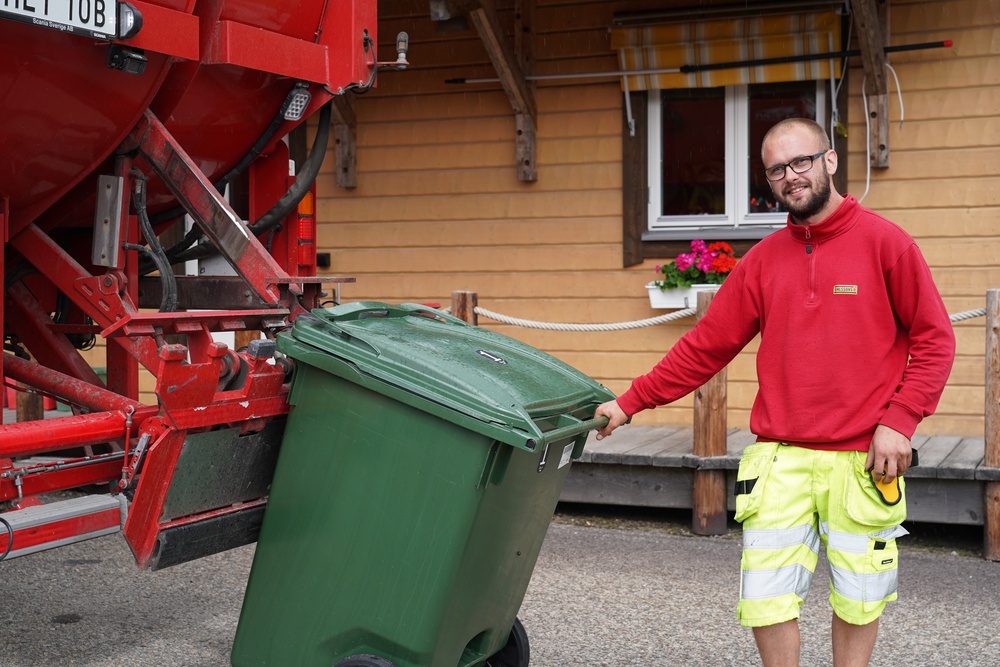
[[421, 463]]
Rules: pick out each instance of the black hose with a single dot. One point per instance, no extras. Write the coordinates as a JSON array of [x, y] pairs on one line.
[[168, 298], [10, 538], [303, 181], [19, 271]]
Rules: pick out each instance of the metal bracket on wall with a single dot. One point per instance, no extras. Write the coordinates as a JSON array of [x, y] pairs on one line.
[[504, 57]]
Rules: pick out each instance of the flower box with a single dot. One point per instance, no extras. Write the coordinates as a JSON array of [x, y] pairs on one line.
[[704, 268], [678, 297]]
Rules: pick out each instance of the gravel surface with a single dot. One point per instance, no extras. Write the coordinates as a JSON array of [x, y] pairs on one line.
[[614, 597], [607, 591]]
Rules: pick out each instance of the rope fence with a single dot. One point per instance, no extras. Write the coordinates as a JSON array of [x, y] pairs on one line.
[[638, 324], [968, 315], [559, 326]]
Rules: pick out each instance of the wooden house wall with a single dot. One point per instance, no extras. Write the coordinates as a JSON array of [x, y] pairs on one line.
[[438, 206]]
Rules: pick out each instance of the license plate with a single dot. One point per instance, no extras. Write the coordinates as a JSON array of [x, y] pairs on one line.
[[91, 18]]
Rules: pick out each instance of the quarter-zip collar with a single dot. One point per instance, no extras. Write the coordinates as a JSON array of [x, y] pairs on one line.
[[838, 222]]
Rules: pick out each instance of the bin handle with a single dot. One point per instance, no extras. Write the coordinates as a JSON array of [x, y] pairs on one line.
[[567, 431]]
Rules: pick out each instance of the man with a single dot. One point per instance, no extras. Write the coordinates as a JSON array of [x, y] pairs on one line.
[[855, 349]]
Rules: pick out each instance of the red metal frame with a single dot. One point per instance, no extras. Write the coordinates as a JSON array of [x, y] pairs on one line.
[[63, 474], [111, 438], [62, 529], [187, 377], [253, 48], [211, 212]]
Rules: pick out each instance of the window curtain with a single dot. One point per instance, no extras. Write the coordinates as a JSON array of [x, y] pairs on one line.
[[670, 46]]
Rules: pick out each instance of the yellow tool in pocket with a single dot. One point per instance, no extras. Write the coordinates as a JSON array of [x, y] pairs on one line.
[[889, 492]]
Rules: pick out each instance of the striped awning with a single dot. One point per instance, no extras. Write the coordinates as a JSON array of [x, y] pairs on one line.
[[673, 46]]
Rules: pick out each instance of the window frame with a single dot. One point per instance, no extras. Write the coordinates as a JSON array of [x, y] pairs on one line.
[[639, 242]]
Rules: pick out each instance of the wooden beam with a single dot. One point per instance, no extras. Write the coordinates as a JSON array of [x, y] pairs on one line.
[[524, 21], [991, 453], [525, 147], [634, 184], [510, 72], [524, 123], [345, 154], [871, 22]]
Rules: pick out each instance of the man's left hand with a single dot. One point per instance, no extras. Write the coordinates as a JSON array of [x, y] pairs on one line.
[[889, 452]]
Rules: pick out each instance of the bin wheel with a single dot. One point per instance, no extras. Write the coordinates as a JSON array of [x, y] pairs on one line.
[[365, 661], [516, 652]]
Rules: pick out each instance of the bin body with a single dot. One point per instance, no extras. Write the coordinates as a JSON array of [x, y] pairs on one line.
[[403, 520]]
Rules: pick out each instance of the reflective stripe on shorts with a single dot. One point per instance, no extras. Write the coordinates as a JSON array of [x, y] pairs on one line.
[[864, 587], [858, 543], [779, 538], [764, 584]]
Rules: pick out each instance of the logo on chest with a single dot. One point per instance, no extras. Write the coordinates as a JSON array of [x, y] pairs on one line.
[[845, 289]]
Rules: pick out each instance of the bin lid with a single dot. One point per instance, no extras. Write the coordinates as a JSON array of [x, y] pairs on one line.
[[477, 378]]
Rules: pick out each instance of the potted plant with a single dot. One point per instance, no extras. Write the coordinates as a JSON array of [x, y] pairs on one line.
[[704, 268]]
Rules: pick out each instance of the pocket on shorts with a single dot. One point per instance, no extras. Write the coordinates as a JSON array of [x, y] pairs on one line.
[[862, 501], [883, 554], [755, 465]]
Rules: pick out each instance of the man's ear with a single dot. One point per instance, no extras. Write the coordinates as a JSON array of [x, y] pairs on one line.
[[831, 161]]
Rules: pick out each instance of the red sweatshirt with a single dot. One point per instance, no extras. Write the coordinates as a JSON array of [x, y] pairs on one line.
[[853, 333]]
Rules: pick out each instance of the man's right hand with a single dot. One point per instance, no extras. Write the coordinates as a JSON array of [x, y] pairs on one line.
[[616, 417]]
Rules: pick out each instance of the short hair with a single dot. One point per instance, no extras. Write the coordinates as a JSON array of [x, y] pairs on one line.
[[805, 123]]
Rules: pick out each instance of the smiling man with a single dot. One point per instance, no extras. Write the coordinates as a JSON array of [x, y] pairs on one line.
[[855, 349]]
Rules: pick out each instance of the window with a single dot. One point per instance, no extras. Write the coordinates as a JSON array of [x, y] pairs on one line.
[[702, 89], [704, 165]]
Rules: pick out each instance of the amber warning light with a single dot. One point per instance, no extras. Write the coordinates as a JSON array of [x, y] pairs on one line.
[[307, 230]]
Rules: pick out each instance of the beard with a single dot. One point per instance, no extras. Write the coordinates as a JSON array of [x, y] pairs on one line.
[[818, 198]]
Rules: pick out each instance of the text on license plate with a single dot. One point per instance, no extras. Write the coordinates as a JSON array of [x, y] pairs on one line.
[[93, 18]]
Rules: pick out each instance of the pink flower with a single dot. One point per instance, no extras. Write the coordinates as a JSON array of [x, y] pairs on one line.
[[684, 260], [698, 246], [704, 262]]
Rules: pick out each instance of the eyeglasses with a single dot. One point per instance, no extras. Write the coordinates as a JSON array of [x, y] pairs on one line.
[[799, 165]]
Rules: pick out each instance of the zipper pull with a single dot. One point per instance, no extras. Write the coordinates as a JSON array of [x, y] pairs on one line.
[[809, 247]]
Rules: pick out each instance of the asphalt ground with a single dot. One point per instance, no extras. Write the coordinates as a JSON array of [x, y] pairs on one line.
[[609, 589]]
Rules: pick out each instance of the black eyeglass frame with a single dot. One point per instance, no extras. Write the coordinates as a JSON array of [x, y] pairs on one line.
[[788, 165]]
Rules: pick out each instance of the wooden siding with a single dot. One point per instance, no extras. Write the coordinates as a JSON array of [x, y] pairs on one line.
[[438, 207]]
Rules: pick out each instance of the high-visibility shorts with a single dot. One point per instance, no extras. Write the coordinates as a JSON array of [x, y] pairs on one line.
[[790, 499]]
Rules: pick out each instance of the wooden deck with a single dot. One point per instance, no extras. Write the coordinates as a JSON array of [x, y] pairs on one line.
[[654, 467]]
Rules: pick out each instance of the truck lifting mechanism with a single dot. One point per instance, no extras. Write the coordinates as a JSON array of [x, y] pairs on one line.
[[121, 119]]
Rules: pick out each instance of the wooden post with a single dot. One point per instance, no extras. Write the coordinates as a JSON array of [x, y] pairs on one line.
[[991, 454], [29, 405], [463, 306], [709, 496]]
